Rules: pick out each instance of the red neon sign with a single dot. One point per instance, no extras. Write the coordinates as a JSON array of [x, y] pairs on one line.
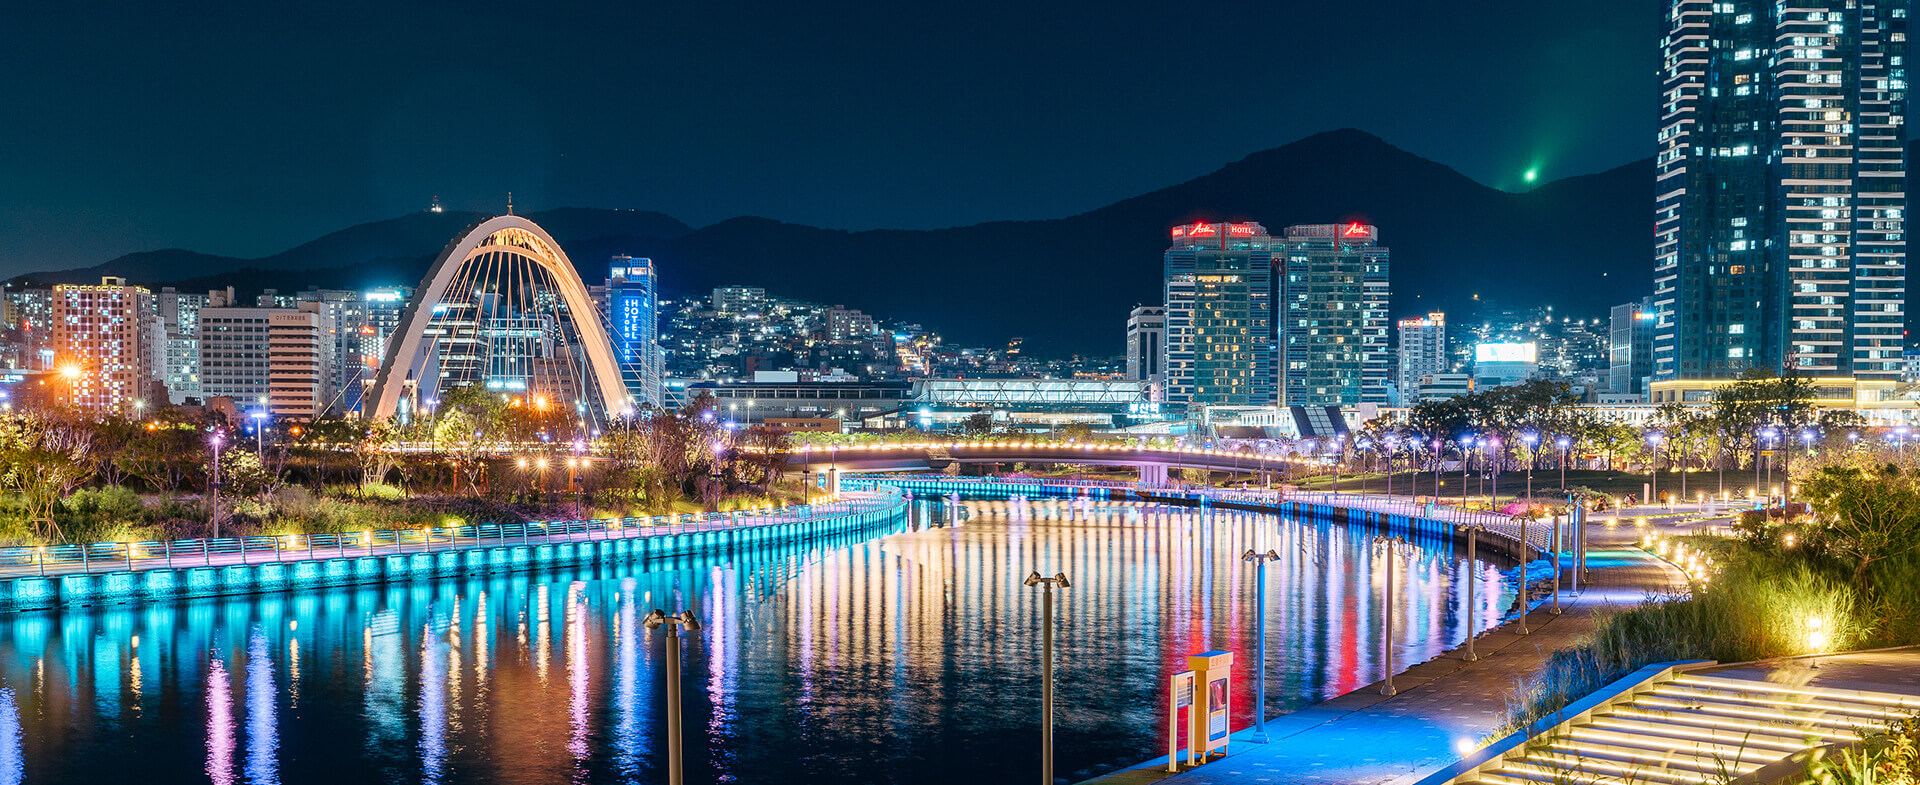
[[1179, 231], [1240, 230], [1203, 230], [1355, 229]]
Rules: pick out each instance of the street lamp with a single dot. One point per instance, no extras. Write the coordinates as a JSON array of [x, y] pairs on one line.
[[214, 486], [1046, 660], [1653, 439], [1531, 439], [1767, 437], [1391, 544], [1473, 531], [676, 767], [1564, 443], [1465, 448], [1260, 640], [260, 432]]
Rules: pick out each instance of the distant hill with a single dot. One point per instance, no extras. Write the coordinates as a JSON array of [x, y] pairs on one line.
[[1580, 244]]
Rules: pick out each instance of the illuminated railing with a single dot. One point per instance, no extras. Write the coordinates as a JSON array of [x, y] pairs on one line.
[[169, 554]]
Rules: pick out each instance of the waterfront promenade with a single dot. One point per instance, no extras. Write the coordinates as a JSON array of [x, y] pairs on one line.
[[1446, 706]]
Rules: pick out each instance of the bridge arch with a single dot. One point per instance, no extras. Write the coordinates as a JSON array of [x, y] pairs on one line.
[[504, 245]]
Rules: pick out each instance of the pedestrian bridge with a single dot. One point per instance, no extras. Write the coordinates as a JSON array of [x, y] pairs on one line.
[[1153, 461]]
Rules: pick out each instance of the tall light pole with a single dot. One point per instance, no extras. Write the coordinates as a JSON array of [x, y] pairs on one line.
[[1390, 442], [1531, 439], [1768, 435], [1564, 443], [1654, 440], [676, 766], [260, 434], [1473, 538], [1493, 459], [214, 485], [1046, 666], [1466, 447], [1391, 544], [1259, 641]]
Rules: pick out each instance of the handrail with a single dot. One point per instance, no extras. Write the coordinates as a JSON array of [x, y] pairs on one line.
[[83, 558], [1539, 533]]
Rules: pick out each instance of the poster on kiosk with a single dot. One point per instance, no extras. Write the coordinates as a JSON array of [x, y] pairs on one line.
[[1212, 711]]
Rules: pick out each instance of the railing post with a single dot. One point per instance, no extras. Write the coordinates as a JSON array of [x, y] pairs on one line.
[[129, 547], [84, 566]]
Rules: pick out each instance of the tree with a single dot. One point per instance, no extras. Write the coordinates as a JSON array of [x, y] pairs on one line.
[[43, 457], [1867, 515]]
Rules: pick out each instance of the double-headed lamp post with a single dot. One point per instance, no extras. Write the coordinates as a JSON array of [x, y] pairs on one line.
[[1390, 548], [1046, 667], [214, 485], [1473, 531], [676, 767], [1259, 641]]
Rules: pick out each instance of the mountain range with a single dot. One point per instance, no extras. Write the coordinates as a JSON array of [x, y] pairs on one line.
[[1580, 244]]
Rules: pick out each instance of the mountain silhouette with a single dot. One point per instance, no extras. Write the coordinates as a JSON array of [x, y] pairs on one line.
[[1580, 244]]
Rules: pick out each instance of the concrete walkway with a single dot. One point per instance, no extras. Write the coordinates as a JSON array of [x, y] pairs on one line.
[[1445, 706]]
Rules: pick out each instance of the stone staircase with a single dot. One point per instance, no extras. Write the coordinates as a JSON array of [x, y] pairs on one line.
[[1693, 729]]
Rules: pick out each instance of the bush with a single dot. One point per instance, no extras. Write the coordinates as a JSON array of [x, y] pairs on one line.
[[1757, 608]]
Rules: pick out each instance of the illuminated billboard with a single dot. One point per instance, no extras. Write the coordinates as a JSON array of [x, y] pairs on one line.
[[1505, 353]]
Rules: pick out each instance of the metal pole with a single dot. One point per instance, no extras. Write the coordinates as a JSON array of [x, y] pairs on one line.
[[1525, 556], [1556, 565], [676, 768], [1472, 606], [1046, 685], [1386, 630], [1259, 735]]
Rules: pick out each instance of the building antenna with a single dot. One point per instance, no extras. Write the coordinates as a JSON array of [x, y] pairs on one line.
[[509, 203]]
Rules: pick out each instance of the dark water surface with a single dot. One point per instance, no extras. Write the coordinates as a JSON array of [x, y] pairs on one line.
[[912, 657]]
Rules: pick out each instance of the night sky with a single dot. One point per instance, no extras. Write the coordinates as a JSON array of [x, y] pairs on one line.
[[244, 128]]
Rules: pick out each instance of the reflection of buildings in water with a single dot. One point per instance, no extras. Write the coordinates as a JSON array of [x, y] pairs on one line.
[[433, 702]]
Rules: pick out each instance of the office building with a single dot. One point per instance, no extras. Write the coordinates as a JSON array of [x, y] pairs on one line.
[[106, 341], [180, 323], [1146, 348], [298, 342], [1332, 310], [342, 313], [738, 299], [1630, 348], [631, 311], [30, 311], [234, 358], [1423, 351], [1779, 235], [1219, 309]]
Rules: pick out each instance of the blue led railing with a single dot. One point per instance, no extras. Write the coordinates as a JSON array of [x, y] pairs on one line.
[[167, 554]]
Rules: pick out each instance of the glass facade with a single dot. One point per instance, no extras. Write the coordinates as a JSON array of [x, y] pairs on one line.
[[1781, 189], [1219, 289], [1332, 315]]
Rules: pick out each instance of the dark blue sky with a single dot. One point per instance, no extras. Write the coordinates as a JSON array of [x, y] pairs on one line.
[[243, 128]]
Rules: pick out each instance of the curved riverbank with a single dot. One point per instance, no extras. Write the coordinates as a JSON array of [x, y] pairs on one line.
[[220, 575]]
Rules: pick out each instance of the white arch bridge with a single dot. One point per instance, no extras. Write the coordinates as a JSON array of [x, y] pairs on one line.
[[501, 308]]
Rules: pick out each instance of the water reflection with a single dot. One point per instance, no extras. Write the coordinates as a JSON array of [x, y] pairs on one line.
[[907, 658]]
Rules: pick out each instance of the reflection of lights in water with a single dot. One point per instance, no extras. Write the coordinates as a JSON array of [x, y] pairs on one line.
[[219, 723], [577, 668], [433, 704], [13, 766], [263, 727], [542, 633], [629, 744]]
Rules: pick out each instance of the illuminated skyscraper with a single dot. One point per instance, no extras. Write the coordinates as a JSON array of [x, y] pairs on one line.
[[1332, 311], [633, 322], [1779, 234], [1219, 298], [1146, 354], [1423, 352], [108, 345]]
